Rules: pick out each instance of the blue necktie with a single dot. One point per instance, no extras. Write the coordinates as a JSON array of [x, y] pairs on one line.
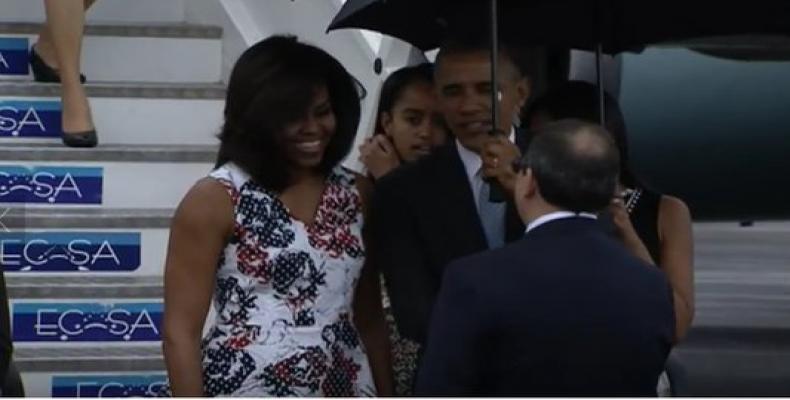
[[492, 216]]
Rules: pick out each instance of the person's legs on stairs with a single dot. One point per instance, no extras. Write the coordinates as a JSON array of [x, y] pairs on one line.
[[65, 24]]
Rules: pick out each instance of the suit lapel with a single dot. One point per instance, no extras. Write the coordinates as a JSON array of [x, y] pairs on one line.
[[456, 202]]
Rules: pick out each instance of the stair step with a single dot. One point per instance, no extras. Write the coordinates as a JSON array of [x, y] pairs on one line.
[[85, 218], [736, 361], [146, 29], [110, 153], [89, 287], [147, 90], [152, 113], [78, 359], [143, 52]]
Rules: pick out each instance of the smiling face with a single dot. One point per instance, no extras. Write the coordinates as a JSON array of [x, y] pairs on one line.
[[305, 140], [463, 82]]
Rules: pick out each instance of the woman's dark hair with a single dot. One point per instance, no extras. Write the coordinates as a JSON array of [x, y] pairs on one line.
[[579, 100], [273, 84], [396, 83]]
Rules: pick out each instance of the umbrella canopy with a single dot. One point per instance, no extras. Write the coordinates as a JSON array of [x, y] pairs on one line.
[[617, 25]]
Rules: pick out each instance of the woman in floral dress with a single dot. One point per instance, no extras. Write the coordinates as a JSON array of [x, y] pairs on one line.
[[274, 236]]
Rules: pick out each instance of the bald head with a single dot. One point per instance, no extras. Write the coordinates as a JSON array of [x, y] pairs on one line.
[[575, 164]]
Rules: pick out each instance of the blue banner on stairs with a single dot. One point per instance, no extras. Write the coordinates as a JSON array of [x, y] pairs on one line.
[[141, 385], [14, 58], [51, 185], [30, 118], [70, 251], [86, 322]]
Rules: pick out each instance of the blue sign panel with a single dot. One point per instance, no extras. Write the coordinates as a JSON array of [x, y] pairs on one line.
[[108, 385], [14, 56], [70, 251], [51, 185], [86, 322], [30, 119]]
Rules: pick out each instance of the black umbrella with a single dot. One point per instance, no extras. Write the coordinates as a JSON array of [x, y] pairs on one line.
[[617, 25], [604, 26]]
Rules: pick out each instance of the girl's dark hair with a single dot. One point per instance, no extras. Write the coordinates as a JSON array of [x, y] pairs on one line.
[[579, 100], [273, 84], [396, 83]]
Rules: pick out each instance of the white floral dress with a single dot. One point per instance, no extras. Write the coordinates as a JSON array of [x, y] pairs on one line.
[[284, 292]]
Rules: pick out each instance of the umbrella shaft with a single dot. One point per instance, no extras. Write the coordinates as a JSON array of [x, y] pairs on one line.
[[494, 63]]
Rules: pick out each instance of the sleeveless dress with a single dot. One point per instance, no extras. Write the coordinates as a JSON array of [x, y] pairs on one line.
[[283, 297], [644, 217], [644, 205]]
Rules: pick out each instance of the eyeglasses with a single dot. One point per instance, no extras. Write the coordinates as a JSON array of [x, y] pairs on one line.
[[520, 165]]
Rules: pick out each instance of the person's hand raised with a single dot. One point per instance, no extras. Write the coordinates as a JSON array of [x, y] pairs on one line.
[[498, 156], [378, 155]]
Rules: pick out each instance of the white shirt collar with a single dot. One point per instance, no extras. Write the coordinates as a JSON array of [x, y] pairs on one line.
[[557, 215]]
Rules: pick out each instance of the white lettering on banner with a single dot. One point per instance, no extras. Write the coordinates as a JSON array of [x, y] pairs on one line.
[[62, 187], [12, 122], [62, 326], [41, 189], [30, 260], [7, 124], [109, 385], [154, 389], [40, 184], [40, 326], [31, 114], [73, 252], [3, 62], [9, 259], [86, 384], [137, 325], [111, 253], [87, 388], [115, 323]]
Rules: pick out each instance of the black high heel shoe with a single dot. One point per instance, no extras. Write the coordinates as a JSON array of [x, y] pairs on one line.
[[43, 72], [81, 139]]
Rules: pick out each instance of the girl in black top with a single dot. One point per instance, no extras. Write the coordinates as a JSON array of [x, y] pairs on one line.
[[408, 124]]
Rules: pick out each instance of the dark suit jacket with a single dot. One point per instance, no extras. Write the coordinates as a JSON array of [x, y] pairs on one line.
[[423, 216], [566, 311]]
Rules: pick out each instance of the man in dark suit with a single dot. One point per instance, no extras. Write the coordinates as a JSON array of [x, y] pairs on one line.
[[437, 209], [565, 311]]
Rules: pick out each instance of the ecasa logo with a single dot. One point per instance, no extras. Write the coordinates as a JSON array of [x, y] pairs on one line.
[[108, 385], [86, 322], [33, 119], [52, 185], [70, 251]]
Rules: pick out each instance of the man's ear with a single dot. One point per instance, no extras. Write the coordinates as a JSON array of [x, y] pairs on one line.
[[525, 185], [523, 90], [531, 183]]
